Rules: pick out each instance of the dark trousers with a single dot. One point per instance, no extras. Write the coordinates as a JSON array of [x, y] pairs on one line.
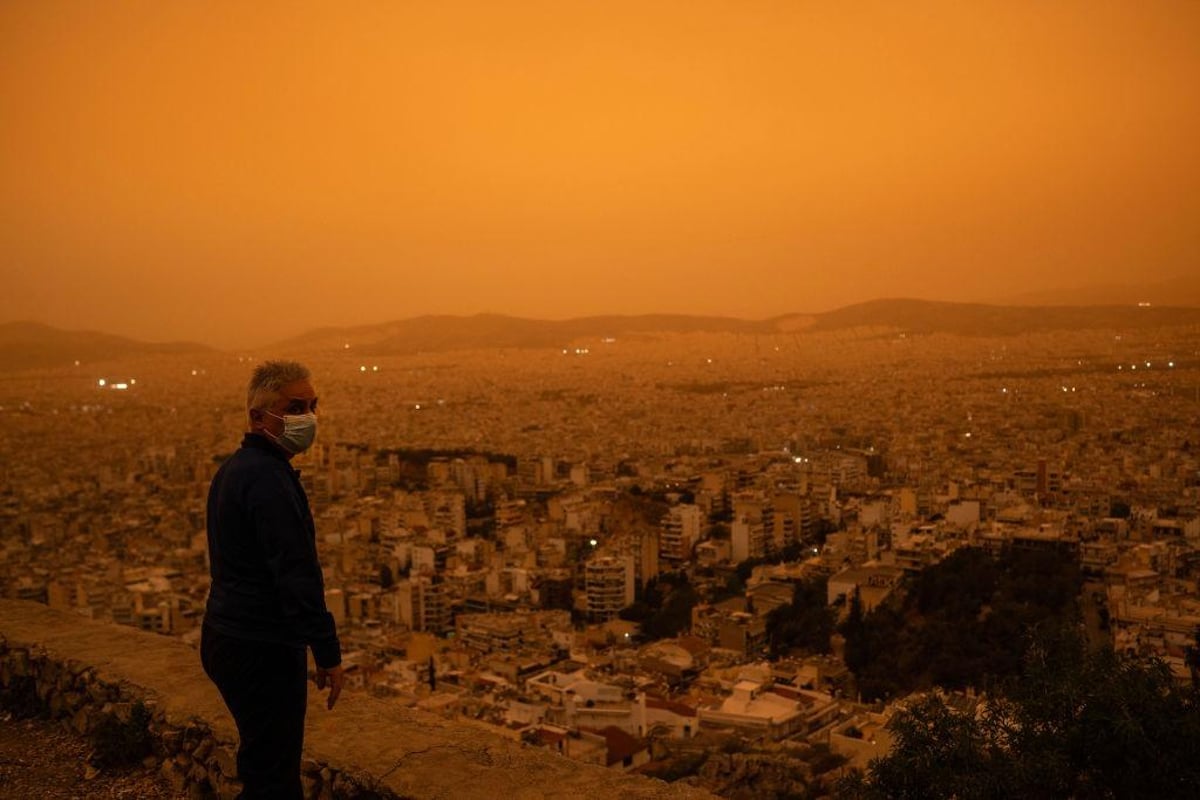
[[265, 687]]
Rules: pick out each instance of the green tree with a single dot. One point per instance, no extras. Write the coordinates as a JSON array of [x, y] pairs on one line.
[[963, 624], [806, 623], [853, 629], [1191, 657], [1075, 723], [675, 615]]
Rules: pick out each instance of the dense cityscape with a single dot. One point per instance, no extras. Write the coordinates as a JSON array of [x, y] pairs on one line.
[[678, 553]]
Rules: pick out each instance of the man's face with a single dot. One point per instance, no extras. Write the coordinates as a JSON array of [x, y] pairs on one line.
[[297, 397]]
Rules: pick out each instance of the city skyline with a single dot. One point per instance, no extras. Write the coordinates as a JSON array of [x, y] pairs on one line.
[[488, 517], [235, 175]]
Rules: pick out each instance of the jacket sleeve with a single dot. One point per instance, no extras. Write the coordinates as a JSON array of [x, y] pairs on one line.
[[284, 529]]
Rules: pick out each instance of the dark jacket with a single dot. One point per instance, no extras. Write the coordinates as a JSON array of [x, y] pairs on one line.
[[262, 550]]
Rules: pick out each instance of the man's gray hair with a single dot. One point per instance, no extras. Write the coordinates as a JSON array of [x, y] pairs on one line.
[[269, 377]]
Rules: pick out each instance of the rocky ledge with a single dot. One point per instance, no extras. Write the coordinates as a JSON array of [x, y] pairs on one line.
[[90, 674]]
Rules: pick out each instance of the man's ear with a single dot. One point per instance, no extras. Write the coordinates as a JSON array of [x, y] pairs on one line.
[[256, 416]]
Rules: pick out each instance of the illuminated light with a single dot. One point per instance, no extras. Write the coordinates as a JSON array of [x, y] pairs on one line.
[[132, 381], [362, 368], [1133, 366], [1170, 364], [194, 372], [967, 434], [1064, 388], [1147, 364], [346, 346], [564, 351], [815, 551], [77, 362], [1004, 390], [417, 407], [121, 386], [593, 542], [708, 361], [102, 382], [375, 368]]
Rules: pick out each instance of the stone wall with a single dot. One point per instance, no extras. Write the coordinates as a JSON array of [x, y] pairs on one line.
[[85, 672]]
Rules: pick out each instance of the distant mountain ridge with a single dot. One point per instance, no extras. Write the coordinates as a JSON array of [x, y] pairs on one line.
[[32, 345], [979, 319], [1177, 291], [441, 333]]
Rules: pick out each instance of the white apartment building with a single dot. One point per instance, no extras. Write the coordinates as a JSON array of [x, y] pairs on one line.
[[679, 532], [609, 585]]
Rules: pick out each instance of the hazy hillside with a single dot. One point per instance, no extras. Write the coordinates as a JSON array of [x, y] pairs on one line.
[[973, 319], [28, 345], [31, 345], [440, 333], [1182, 291]]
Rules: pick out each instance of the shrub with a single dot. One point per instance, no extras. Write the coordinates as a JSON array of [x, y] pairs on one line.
[[119, 743], [20, 698]]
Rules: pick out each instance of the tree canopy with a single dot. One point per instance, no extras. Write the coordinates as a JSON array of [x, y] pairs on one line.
[[1075, 723], [805, 624], [963, 624]]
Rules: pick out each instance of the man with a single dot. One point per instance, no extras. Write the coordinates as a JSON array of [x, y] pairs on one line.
[[266, 604]]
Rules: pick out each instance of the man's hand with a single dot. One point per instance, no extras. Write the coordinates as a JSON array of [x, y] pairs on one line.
[[335, 678]]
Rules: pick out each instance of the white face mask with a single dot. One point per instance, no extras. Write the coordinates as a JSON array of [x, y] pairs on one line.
[[299, 431]]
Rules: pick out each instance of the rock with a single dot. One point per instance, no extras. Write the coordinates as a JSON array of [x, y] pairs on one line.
[[73, 700], [122, 711], [228, 789], [310, 783], [203, 749], [82, 721], [175, 776], [171, 739], [98, 692], [225, 759]]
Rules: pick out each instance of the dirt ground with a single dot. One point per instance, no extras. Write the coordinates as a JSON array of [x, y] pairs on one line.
[[40, 760]]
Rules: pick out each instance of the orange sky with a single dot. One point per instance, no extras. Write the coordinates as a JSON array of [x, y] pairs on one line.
[[238, 172]]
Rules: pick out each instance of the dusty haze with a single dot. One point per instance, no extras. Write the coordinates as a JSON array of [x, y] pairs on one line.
[[235, 173]]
